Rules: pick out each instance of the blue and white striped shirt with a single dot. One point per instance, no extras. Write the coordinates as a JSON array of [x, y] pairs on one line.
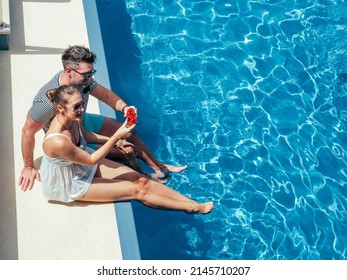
[[43, 111]]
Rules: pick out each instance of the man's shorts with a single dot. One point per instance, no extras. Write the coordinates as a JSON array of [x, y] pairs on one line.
[[93, 123]]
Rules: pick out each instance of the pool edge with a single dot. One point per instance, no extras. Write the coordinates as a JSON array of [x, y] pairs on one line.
[[123, 210]]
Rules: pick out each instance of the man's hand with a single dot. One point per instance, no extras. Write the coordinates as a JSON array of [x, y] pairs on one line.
[[28, 177], [122, 144], [29, 173], [127, 108]]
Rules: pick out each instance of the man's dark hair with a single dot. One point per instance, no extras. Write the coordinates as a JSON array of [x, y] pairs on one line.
[[73, 55]]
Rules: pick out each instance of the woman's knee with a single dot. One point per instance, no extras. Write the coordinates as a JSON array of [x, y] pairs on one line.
[[141, 187]]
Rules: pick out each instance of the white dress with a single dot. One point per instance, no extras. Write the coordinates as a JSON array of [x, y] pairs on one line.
[[63, 180]]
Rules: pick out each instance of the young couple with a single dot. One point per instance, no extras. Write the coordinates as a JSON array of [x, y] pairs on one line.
[[81, 173]]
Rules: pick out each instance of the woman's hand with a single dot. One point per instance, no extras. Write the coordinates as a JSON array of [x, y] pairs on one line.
[[124, 131]]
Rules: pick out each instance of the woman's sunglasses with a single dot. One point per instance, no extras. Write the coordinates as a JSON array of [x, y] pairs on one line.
[[77, 107]]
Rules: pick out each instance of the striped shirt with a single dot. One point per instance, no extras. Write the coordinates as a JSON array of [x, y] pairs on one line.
[[43, 111]]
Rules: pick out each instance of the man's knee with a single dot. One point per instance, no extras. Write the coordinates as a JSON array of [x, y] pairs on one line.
[[128, 150]]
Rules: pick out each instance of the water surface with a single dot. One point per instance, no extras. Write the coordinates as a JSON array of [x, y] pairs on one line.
[[252, 96]]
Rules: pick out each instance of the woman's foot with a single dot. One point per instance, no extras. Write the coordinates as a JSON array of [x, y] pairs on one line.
[[205, 208], [202, 208]]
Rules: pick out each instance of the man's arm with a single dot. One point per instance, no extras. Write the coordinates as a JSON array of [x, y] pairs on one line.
[[110, 98], [29, 173]]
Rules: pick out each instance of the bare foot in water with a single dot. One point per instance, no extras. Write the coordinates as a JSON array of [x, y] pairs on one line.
[[164, 172], [203, 208], [176, 169], [154, 177]]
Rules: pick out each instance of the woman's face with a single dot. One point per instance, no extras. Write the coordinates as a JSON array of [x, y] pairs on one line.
[[75, 107]]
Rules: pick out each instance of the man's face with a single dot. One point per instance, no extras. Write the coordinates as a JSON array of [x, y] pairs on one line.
[[82, 75]]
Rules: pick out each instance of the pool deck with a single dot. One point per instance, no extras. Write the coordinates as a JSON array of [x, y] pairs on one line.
[[31, 228]]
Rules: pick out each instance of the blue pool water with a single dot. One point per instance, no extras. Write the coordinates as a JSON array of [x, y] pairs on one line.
[[252, 96]]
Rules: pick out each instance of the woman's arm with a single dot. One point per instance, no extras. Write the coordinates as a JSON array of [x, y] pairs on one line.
[[64, 148]]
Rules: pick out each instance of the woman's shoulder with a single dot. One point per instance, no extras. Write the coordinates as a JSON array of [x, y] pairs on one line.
[[56, 138], [55, 143]]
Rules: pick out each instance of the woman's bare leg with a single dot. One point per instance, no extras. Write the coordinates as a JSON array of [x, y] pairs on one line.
[[116, 182], [113, 170], [109, 190]]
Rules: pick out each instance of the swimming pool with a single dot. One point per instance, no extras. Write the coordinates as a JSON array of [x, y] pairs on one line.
[[252, 96]]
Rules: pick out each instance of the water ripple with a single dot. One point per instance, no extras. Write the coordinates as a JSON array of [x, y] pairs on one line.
[[252, 96]]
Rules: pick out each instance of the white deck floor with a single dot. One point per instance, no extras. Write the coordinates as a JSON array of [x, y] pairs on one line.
[[30, 227]]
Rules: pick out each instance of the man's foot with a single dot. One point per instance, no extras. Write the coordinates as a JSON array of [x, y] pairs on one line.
[[164, 172], [176, 169], [154, 177]]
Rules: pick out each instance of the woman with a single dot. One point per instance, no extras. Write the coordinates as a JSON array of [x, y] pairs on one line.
[[71, 171]]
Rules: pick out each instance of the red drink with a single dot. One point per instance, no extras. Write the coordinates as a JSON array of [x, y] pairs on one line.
[[131, 116]]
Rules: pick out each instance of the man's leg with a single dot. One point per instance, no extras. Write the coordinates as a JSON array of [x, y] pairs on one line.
[[96, 123], [141, 150]]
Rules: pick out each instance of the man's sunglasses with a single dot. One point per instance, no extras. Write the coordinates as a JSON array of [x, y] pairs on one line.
[[86, 75]]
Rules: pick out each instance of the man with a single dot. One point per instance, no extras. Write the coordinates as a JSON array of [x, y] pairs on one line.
[[78, 71]]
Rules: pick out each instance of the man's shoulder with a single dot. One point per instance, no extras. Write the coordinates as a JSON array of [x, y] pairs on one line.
[[93, 85], [51, 84]]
